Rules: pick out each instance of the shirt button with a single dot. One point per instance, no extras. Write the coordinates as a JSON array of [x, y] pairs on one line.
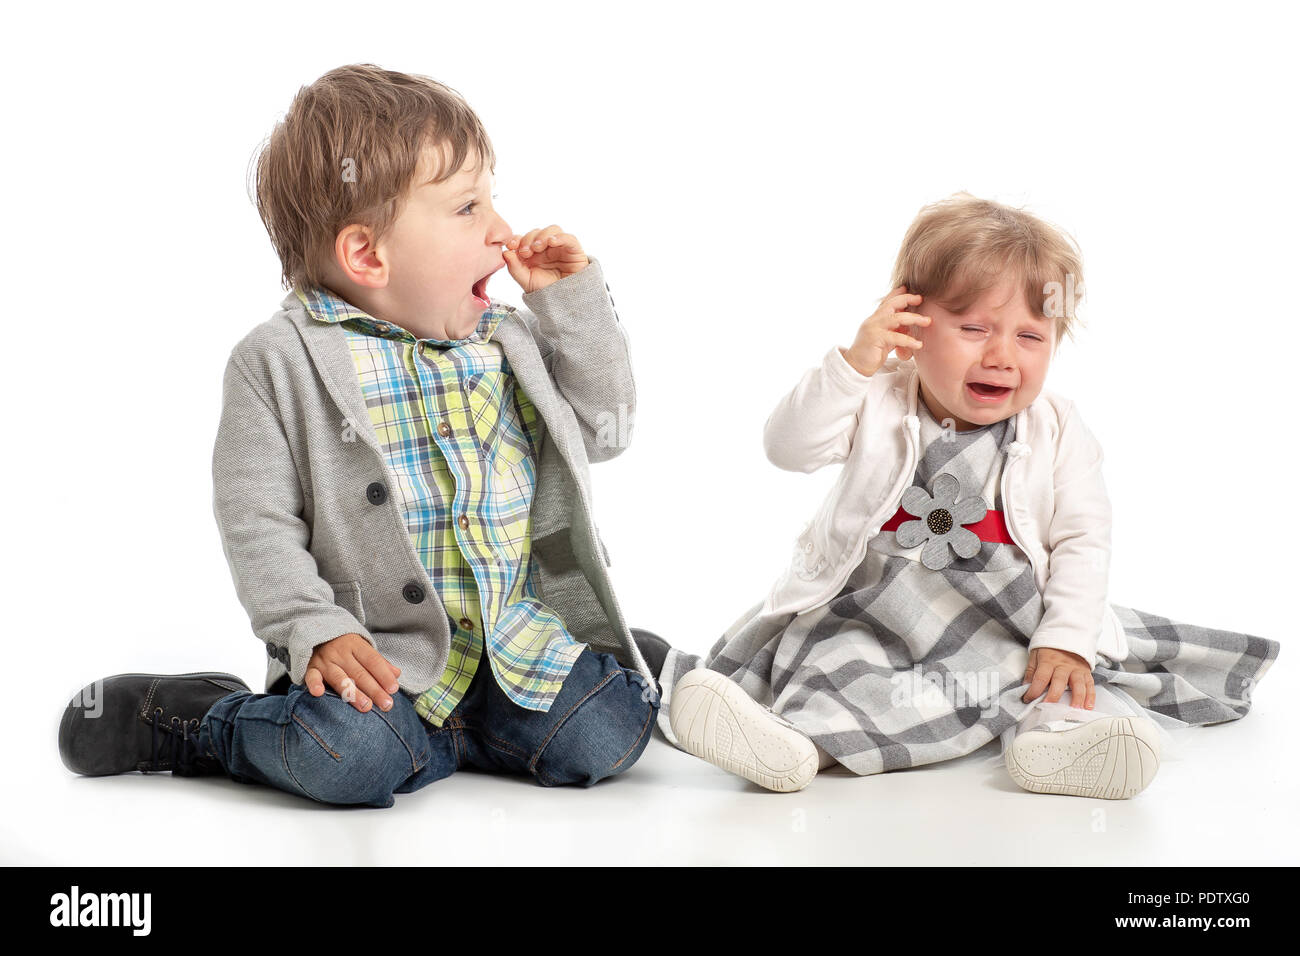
[[464, 523], [467, 624], [444, 429], [413, 593], [376, 493]]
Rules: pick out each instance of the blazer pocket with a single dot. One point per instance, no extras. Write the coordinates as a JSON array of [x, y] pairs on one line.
[[347, 595]]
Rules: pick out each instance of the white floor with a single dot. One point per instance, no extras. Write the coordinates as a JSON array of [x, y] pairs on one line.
[[1228, 798]]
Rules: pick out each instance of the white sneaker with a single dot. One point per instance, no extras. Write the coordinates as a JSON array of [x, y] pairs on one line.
[[714, 719], [1109, 757]]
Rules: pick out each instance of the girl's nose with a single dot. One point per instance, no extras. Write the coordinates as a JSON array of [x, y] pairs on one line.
[[997, 352]]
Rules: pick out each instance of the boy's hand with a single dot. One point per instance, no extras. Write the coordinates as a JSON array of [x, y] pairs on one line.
[[357, 672], [883, 331], [1057, 668], [538, 258]]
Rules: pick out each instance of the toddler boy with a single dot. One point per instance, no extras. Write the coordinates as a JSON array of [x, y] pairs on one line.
[[401, 484]]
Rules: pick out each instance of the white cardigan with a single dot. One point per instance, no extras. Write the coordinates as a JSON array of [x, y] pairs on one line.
[[1053, 497]]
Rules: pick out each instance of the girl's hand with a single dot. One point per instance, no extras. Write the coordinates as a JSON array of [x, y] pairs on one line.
[[1054, 669], [542, 256], [883, 332]]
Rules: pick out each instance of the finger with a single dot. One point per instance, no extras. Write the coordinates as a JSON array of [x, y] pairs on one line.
[[1079, 689], [525, 247], [900, 339], [1029, 675], [518, 271], [345, 686], [903, 299], [545, 240], [1060, 680], [566, 241], [542, 239], [910, 318], [1036, 686], [364, 692], [312, 680], [367, 685], [384, 673], [1092, 693]]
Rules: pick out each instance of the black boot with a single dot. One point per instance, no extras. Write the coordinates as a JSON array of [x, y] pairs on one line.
[[652, 647], [145, 722]]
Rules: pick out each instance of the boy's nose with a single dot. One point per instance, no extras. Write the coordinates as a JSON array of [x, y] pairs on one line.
[[500, 232]]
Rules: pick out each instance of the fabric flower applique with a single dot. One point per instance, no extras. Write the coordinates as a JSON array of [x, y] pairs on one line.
[[940, 524]]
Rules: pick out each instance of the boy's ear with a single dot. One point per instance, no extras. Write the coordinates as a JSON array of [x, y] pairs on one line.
[[358, 258]]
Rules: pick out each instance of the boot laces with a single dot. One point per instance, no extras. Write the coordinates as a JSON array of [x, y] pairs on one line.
[[175, 743]]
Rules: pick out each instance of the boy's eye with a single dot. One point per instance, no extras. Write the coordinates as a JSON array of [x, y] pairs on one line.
[[468, 208], [1032, 337], [971, 328]]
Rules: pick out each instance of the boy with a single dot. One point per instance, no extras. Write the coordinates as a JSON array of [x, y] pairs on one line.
[[400, 481]]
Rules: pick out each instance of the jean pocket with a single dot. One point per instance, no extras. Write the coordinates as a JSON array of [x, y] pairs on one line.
[[309, 714]]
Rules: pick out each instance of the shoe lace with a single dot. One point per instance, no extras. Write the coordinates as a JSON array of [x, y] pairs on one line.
[[175, 743]]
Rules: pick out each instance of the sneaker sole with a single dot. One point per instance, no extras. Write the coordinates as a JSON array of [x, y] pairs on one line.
[[715, 720], [1113, 758]]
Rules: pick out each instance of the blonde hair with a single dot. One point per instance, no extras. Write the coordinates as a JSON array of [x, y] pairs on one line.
[[347, 152], [958, 248]]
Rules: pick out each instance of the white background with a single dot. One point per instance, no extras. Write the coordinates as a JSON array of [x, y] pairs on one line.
[[745, 173]]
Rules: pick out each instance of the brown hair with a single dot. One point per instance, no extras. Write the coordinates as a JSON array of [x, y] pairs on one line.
[[958, 248], [348, 151]]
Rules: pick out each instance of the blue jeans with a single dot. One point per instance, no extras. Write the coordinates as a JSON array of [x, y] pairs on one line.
[[326, 749]]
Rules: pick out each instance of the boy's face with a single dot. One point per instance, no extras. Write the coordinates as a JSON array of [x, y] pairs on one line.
[[998, 340], [440, 251]]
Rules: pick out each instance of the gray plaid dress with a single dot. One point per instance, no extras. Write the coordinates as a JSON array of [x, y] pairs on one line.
[[908, 666]]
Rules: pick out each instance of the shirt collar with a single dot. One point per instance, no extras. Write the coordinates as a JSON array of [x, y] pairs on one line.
[[324, 306]]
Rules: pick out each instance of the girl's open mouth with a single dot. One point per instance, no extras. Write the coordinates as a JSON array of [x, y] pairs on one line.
[[988, 393]]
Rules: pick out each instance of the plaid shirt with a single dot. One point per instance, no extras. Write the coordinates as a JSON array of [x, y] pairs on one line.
[[462, 440]]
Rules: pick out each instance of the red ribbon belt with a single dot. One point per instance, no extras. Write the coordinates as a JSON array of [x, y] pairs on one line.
[[991, 527]]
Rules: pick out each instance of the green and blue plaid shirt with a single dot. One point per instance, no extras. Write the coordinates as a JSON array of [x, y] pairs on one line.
[[462, 440]]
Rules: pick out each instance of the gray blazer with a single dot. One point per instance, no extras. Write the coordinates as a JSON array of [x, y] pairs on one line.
[[315, 539]]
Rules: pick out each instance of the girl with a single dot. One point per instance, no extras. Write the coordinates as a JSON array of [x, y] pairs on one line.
[[961, 555]]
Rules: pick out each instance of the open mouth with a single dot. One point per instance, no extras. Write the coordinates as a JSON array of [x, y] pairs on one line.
[[479, 289], [987, 392]]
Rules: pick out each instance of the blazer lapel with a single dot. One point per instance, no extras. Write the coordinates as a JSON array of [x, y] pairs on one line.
[[530, 371], [329, 352]]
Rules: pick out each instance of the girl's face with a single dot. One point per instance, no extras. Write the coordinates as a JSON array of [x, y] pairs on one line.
[[986, 362]]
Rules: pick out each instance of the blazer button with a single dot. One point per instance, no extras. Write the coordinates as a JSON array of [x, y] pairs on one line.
[[413, 593], [376, 493], [271, 651], [284, 656]]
